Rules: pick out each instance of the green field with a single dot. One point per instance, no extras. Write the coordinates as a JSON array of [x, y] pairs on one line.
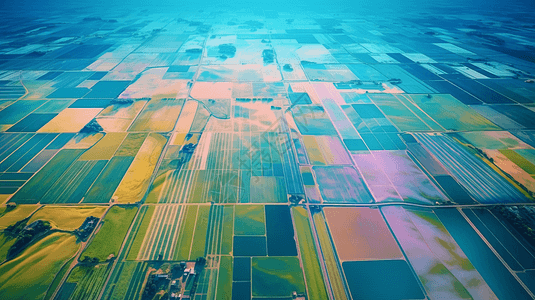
[[105, 148], [307, 248], [57, 279], [74, 182], [276, 276], [89, 281], [141, 231], [18, 278], [520, 161], [249, 220], [131, 144], [228, 229], [449, 112], [399, 114], [330, 259], [67, 217], [5, 244], [199, 236], [38, 185], [224, 283], [126, 280], [111, 234], [186, 233]]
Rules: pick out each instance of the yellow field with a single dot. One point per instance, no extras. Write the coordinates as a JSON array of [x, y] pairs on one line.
[[313, 150], [17, 214], [186, 117], [105, 148], [158, 115], [29, 275], [67, 217], [114, 125], [118, 117], [137, 178], [70, 120]]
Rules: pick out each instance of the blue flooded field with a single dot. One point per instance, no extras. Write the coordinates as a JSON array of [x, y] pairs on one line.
[[241, 150]]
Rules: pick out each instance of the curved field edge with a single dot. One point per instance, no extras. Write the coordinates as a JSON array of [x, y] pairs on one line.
[[30, 274]]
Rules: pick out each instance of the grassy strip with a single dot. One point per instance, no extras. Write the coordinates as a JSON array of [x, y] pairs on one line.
[[140, 235], [313, 276], [186, 234], [199, 236], [228, 230], [224, 284], [328, 253]]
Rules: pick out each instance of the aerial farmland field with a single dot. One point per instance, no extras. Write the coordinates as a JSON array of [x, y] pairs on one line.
[[268, 150]]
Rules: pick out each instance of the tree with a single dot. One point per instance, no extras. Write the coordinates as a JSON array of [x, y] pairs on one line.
[[91, 127]]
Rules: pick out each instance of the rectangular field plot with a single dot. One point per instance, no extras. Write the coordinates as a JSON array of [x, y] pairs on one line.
[[158, 115], [326, 150], [171, 232], [450, 113], [513, 252], [136, 180], [361, 234], [437, 259], [330, 179], [104, 186], [479, 179], [311, 265], [504, 286], [369, 280], [40, 183], [105, 148], [17, 159], [331, 262], [18, 110], [407, 179], [281, 272], [109, 237], [126, 280], [161, 235], [70, 120], [406, 118], [74, 183], [313, 120], [280, 232], [195, 186], [249, 220]]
